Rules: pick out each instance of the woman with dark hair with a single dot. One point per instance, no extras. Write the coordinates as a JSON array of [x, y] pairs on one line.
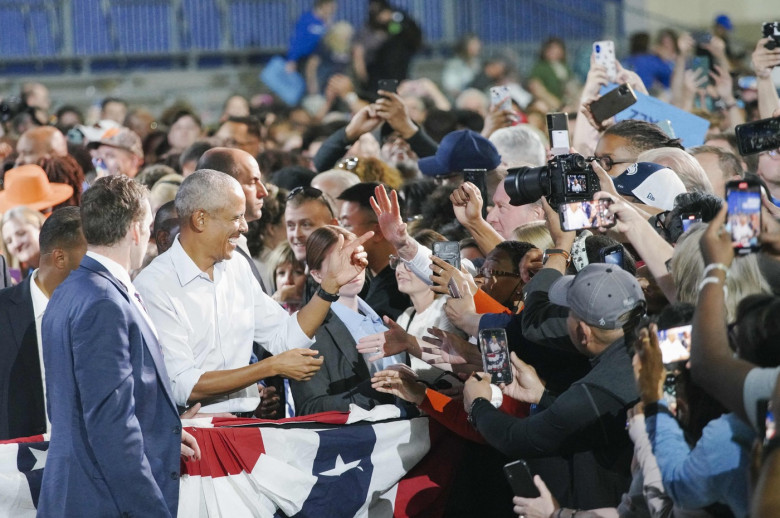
[[551, 74], [345, 375]]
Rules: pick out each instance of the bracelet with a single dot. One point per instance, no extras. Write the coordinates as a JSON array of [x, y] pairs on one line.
[[327, 297], [712, 280], [715, 266], [556, 251], [470, 416]]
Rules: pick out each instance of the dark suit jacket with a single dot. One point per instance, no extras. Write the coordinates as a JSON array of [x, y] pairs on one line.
[[22, 412], [343, 378], [114, 447], [5, 277]]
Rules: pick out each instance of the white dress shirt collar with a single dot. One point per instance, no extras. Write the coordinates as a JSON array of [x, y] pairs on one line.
[[185, 268], [113, 267], [39, 298]]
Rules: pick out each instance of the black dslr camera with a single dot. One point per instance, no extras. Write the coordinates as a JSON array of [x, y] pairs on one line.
[[771, 30], [565, 179]]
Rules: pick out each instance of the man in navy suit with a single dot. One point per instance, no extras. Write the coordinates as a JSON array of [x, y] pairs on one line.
[[116, 434], [22, 398]]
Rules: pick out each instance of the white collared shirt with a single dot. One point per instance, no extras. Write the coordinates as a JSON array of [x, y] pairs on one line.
[[120, 274], [207, 325], [39, 302]]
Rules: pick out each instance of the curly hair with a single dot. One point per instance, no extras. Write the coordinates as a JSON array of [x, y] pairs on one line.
[[65, 169]]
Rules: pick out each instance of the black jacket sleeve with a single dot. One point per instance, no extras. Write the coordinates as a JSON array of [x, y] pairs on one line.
[[422, 144], [543, 322], [580, 419], [331, 150]]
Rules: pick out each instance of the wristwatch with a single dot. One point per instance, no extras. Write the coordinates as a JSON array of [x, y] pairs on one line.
[[327, 297], [556, 251]]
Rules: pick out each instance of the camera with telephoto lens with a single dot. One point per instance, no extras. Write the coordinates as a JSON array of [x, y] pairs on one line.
[[771, 30], [565, 179], [10, 108]]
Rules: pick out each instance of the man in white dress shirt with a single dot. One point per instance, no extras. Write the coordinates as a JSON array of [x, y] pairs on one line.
[[208, 308]]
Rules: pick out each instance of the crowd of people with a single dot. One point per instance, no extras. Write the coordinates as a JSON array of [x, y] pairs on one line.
[[281, 264]]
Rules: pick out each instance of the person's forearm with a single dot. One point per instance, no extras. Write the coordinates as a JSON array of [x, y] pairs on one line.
[[653, 250], [311, 316], [585, 136], [331, 150], [713, 365], [768, 100], [406, 247], [217, 383], [485, 235], [766, 499], [422, 144]]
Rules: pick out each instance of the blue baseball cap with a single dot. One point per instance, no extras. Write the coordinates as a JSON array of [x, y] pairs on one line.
[[724, 21], [650, 183], [458, 151]]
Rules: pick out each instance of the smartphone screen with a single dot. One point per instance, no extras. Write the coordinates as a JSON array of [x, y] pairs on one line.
[[744, 217], [757, 136], [448, 251], [586, 214], [675, 344], [612, 255], [558, 131], [495, 355], [520, 479], [604, 52], [688, 219]]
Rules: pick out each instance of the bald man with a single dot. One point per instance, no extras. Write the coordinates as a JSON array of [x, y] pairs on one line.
[[40, 142]]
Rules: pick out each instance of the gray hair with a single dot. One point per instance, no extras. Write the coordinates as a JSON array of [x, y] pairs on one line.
[[519, 145], [744, 276], [687, 168], [204, 189]]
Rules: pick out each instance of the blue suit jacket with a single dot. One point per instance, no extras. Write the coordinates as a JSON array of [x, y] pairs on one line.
[[116, 433]]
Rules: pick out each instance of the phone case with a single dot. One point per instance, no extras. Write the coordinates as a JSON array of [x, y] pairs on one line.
[[613, 102], [520, 479], [495, 355], [605, 56]]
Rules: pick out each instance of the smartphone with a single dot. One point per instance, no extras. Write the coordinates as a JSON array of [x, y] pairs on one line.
[[613, 102], [702, 38], [448, 251], [479, 178], [388, 85], [666, 127], [499, 96], [670, 392], [520, 479], [604, 51], [495, 355], [689, 218], [101, 169], [744, 216], [586, 214], [757, 136], [558, 131], [675, 344], [702, 65], [613, 255]]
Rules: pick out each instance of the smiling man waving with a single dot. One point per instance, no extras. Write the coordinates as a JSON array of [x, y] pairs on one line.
[[208, 308]]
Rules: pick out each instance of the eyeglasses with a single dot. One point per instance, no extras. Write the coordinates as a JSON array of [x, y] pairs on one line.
[[607, 161], [490, 273], [774, 154], [311, 193], [394, 261]]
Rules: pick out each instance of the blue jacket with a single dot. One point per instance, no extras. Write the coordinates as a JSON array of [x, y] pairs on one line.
[[116, 433], [309, 30]]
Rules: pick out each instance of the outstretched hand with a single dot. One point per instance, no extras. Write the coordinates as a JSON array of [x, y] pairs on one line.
[[400, 384], [388, 214], [345, 261], [388, 343]]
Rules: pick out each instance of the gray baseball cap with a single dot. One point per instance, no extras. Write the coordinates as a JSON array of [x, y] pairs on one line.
[[599, 294]]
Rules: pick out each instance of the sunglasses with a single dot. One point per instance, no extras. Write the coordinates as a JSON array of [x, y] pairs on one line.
[[490, 273], [310, 193]]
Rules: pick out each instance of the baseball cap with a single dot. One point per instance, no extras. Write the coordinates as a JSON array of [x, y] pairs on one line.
[[599, 294], [458, 151], [120, 137], [724, 21], [652, 184]]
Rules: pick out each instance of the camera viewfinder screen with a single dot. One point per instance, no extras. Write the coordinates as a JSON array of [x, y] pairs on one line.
[[675, 344], [576, 183]]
